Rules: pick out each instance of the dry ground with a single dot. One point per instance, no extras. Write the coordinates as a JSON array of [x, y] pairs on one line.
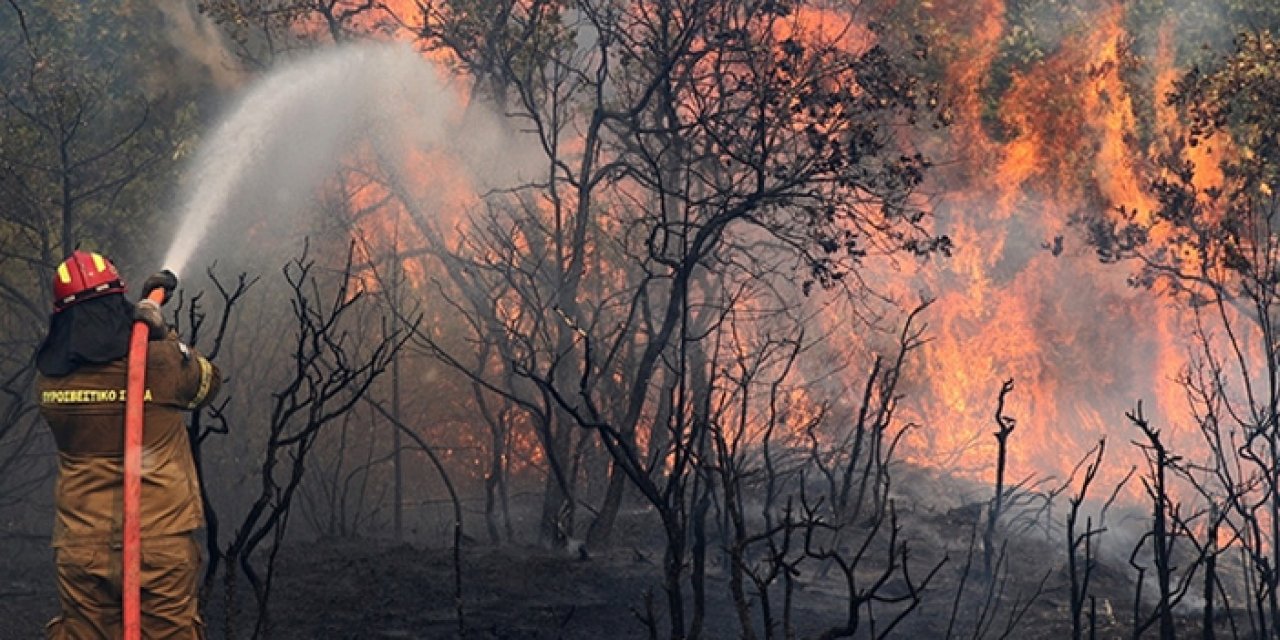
[[377, 589], [369, 588], [338, 589]]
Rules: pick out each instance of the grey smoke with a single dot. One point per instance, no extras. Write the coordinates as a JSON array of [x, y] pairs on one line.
[[199, 38]]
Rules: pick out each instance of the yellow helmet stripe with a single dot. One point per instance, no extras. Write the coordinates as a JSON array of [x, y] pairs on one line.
[[64, 274], [99, 263]]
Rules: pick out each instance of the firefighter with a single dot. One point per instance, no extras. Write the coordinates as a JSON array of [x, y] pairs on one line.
[[81, 387]]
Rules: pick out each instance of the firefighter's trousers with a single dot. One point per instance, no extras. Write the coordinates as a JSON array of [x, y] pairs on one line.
[[89, 588]]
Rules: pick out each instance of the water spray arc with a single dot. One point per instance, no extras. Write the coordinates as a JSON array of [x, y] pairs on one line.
[[293, 127], [273, 150]]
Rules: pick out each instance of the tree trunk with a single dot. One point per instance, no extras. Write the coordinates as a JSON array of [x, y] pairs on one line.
[[602, 527]]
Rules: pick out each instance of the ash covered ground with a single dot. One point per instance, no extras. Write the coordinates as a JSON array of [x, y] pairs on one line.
[[378, 588]]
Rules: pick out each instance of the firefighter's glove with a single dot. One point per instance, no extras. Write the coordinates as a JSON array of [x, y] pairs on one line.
[[149, 312], [161, 280]]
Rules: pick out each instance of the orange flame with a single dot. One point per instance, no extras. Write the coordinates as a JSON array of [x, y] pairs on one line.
[[1020, 298]]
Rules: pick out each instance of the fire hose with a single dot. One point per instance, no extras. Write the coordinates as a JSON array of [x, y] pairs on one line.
[[133, 412]]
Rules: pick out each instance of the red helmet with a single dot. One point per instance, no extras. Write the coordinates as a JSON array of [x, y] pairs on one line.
[[82, 276]]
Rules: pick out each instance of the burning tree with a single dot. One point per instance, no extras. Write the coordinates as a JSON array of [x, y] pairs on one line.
[[692, 149], [1210, 239]]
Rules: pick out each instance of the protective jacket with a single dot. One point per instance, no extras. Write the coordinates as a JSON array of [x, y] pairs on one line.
[[85, 410]]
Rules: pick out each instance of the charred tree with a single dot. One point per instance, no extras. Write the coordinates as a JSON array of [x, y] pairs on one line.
[[908, 594], [1081, 546], [459, 608], [1004, 428], [333, 368], [213, 420], [858, 532], [730, 432], [1167, 527]]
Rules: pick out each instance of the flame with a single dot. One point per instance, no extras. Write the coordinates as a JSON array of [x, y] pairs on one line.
[[1020, 299], [826, 26]]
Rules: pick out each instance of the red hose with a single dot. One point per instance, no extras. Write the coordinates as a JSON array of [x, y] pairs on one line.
[[133, 411]]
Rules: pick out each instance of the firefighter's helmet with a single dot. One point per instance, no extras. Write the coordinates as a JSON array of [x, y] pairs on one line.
[[82, 276]]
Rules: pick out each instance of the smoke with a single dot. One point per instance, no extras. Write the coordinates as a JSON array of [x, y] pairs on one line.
[[294, 127], [199, 38]]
